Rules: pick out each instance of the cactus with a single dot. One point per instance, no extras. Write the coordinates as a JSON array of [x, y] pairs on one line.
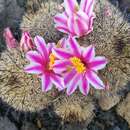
[[41, 22], [111, 38]]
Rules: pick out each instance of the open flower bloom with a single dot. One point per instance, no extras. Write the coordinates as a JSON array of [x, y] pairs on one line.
[[41, 62], [26, 42], [80, 66], [76, 20], [10, 40]]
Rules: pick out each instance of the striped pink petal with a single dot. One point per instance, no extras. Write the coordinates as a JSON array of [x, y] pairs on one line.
[[94, 80], [62, 28], [70, 6], [69, 76], [84, 86], [71, 25], [78, 23], [89, 53], [61, 22], [34, 68], [61, 19], [60, 66], [50, 46], [72, 86], [90, 29], [63, 43], [41, 46], [82, 22], [58, 82], [46, 83], [87, 6], [74, 46], [61, 53], [34, 56], [98, 63]]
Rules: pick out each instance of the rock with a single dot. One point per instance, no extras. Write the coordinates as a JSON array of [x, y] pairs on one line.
[[123, 109], [2, 12], [43, 129], [107, 101], [125, 4], [116, 128], [6, 124], [14, 13], [29, 126], [73, 127], [2, 3]]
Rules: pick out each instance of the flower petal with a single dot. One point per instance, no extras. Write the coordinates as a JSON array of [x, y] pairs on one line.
[[41, 46], [58, 81], [74, 46], [98, 63], [94, 80], [70, 6], [89, 53], [61, 22], [62, 28], [78, 24], [72, 26], [34, 56], [46, 83], [33, 68], [84, 86], [63, 43], [87, 6], [50, 47], [82, 23], [61, 53], [72, 86], [61, 19], [90, 29], [61, 66], [69, 76]]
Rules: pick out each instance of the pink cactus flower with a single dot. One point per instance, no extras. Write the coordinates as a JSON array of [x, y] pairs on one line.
[[11, 42], [79, 67], [41, 62], [76, 20], [26, 42]]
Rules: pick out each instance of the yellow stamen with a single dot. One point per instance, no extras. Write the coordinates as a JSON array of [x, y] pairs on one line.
[[77, 63], [52, 60], [76, 7]]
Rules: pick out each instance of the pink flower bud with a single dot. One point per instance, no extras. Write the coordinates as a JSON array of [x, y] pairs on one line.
[[76, 20], [11, 42], [26, 42]]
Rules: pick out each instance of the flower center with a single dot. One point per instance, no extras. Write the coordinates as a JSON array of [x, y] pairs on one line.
[[52, 61], [77, 63], [76, 7]]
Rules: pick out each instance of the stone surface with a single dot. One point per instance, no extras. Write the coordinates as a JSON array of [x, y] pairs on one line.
[[43, 129], [29, 126], [2, 12], [123, 109], [116, 128], [125, 3], [73, 127], [6, 124]]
